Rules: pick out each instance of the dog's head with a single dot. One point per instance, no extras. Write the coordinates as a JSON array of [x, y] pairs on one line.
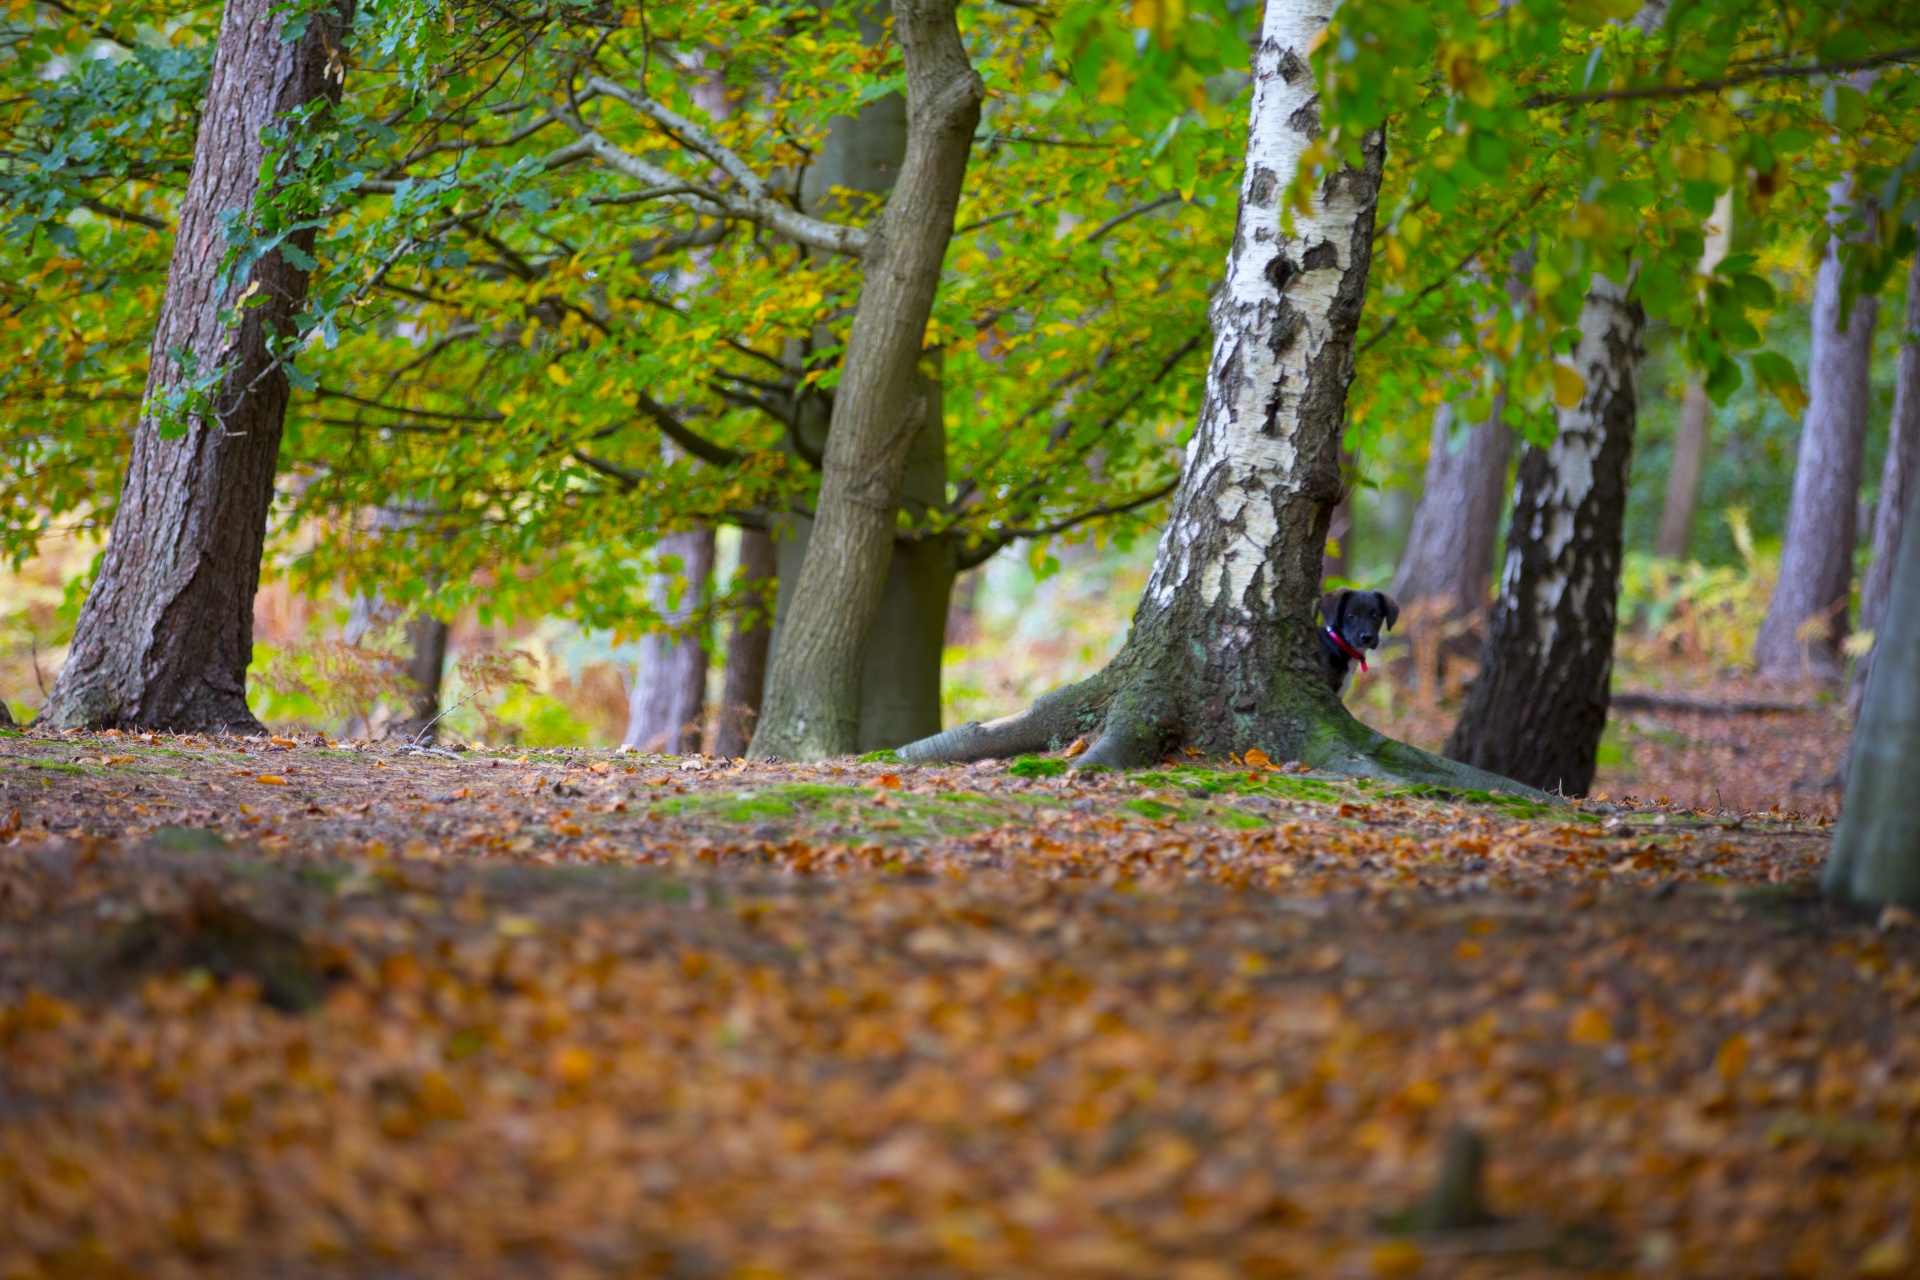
[[1359, 616]]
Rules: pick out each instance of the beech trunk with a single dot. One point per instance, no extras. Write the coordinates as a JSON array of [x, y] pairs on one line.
[[1539, 705], [812, 706], [1876, 852], [1696, 420], [668, 702], [1897, 476], [746, 669], [166, 633], [1806, 622], [426, 664], [1223, 655]]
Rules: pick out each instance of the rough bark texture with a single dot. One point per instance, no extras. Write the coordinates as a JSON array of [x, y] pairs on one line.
[[1696, 420], [1806, 621], [812, 705], [166, 634], [426, 663], [1539, 705], [1896, 481], [669, 697], [746, 670], [1449, 557], [1223, 655], [1876, 852]]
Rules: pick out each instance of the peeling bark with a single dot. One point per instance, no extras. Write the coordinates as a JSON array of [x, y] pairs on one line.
[[812, 706], [1539, 705], [166, 634], [669, 695], [1223, 655], [1897, 477], [1806, 621]]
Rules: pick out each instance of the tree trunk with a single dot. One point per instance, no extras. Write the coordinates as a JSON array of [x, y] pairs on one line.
[[1876, 852], [166, 633], [746, 670], [812, 705], [1896, 482], [1442, 579], [669, 695], [1696, 419], [427, 638], [1223, 655], [1539, 705], [1806, 621]]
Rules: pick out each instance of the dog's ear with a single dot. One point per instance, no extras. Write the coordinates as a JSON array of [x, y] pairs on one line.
[[1390, 608], [1331, 605]]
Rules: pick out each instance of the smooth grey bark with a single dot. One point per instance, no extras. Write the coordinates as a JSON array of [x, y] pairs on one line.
[[1897, 476], [1876, 852], [1448, 562], [1696, 419], [812, 706], [166, 633], [1223, 655], [746, 669], [426, 665], [900, 679], [1539, 705], [668, 700], [1806, 622]]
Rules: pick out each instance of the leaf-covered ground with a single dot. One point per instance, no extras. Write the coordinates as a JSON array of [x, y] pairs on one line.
[[296, 1009]]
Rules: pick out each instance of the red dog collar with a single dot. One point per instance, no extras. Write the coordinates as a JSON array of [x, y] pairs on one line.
[[1340, 642]]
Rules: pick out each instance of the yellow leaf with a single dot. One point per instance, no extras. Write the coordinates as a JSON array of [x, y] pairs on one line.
[[1396, 1258], [272, 779], [1732, 1058], [1590, 1026], [1568, 386], [1256, 758], [558, 376]]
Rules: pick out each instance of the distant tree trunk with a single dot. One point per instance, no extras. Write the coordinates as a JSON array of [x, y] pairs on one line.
[[1876, 852], [812, 706], [166, 633], [1816, 560], [1897, 477], [746, 670], [1338, 561], [1223, 655], [1443, 575], [426, 663], [1539, 705], [669, 695], [1696, 419]]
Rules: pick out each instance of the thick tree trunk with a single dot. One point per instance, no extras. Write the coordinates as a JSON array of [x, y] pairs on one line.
[[1876, 852], [1696, 419], [1897, 476], [1442, 579], [812, 706], [746, 670], [669, 695], [166, 633], [1539, 705], [1806, 621], [1223, 655]]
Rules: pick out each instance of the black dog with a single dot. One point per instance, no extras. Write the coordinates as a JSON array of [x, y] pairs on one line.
[[1353, 623]]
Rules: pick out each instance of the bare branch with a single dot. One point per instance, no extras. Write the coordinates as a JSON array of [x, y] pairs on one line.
[[1692, 88]]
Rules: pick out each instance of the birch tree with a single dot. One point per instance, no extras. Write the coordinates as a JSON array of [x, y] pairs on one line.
[[1897, 475]]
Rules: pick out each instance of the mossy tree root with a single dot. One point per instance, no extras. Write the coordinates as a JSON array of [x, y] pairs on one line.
[[1050, 724]]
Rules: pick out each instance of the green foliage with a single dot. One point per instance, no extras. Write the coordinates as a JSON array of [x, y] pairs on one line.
[[1037, 767]]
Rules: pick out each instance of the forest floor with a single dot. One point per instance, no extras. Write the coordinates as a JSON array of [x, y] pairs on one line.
[[297, 1008]]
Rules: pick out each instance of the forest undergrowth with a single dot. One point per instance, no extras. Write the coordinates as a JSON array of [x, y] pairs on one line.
[[298, 1007]]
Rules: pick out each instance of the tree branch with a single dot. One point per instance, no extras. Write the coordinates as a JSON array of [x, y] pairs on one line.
[[986, 548], [1725, 82], [1526, 206]]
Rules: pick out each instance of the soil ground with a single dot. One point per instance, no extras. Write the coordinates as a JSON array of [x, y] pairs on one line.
[[304, 1009]]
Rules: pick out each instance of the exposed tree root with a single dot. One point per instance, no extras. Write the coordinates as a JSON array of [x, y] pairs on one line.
[[1054, 720]]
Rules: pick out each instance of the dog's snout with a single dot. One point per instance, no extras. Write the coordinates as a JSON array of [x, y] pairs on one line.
[[1369, 640]]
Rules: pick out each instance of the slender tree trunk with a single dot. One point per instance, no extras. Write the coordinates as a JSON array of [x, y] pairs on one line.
[[1897, 476], [426, 664], [1223, 655], [669, 695], [1539, 705], [1442, 579], [1806, 621], [746, 669], [812, 705], [1696, 419], [1876, 852], [166, 633]]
